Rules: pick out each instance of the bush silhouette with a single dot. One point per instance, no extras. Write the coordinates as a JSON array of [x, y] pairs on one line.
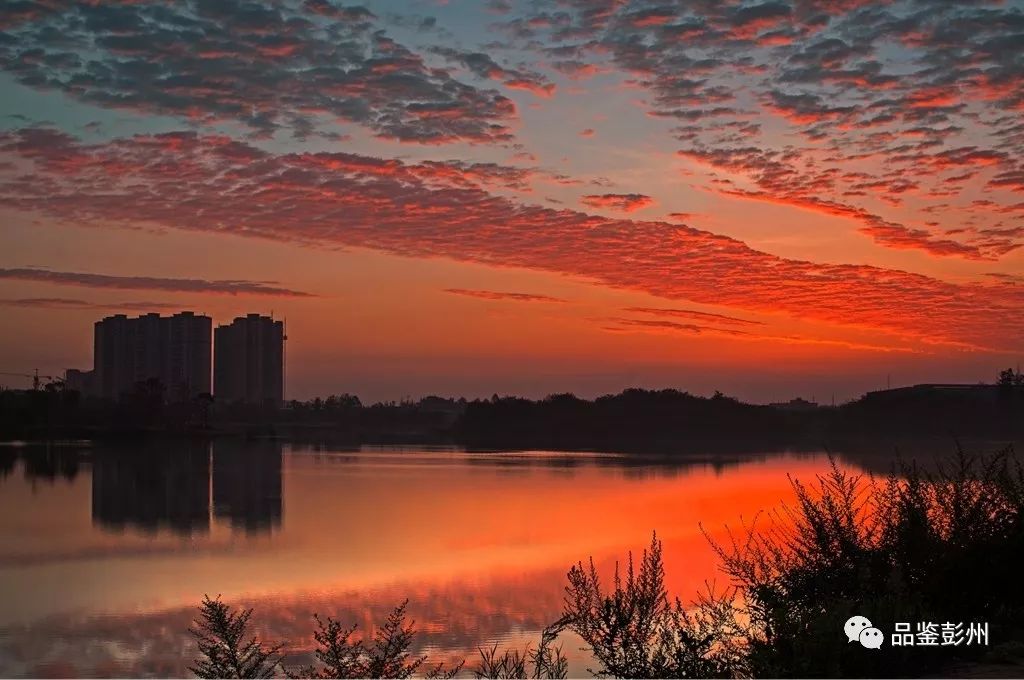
[[546, 662], [225, 651], [939, 546], [387, 657], [634, 630]]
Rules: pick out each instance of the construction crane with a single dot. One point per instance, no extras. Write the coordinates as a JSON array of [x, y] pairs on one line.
[[34, 375]]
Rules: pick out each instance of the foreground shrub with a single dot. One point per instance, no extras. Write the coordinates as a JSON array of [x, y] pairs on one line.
[[920, 546], [387, 657], [225, 651], [634, 630], [546, 662]]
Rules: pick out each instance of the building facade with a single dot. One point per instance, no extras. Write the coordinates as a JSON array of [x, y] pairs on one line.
[[174, 350], [249, 361]]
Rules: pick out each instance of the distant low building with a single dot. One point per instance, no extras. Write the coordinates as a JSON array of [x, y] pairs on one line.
[[249, 361], [798, 404]]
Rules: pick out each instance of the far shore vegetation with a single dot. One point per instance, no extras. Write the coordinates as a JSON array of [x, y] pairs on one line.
[[633, 419], [943, 545]]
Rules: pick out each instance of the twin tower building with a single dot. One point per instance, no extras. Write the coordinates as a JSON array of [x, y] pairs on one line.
[[248, 358]]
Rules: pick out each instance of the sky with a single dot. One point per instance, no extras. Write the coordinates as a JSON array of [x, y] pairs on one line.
[[771, 198]]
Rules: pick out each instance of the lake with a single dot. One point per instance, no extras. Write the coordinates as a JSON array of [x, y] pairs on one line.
[[106, 550]]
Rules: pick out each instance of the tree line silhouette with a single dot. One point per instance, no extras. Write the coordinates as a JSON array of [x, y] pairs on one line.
[[632, 419]]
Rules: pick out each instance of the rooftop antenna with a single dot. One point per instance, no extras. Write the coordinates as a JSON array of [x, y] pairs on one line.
[[888, 381]]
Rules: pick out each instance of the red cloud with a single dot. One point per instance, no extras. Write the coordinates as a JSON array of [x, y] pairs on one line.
[[781, 179], [91, 280], [540, 89], [933, 98], [75, 303], [623, 202], [205, 184], [681, 216], [887, 233], [694, 314], [495, 295]]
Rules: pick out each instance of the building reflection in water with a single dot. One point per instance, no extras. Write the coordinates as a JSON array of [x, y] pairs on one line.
[[8, 458], [168, 487], [247, 484], [161, 488]]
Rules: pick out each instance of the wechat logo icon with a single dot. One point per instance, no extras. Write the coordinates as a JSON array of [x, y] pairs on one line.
[[859, 629]]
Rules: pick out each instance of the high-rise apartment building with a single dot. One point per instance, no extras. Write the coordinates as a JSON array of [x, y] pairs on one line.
[[249, 361], [174, 350]]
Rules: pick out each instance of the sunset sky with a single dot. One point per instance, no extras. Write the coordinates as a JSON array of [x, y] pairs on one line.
[[772, 198]]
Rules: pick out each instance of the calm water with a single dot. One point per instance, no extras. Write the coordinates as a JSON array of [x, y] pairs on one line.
[[104, 552]]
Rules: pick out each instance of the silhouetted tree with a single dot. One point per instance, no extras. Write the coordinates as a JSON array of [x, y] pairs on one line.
[[226, 653], [221, 636], [1010, 378], [1010, 386]]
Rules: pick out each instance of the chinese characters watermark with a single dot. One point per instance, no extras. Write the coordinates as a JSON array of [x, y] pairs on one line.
[[923, 634], [948, 634]]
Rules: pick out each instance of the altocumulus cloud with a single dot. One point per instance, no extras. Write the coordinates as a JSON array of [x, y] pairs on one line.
[[621, 202], [276, 65], [193, 182], [882, 114], [885, 108]]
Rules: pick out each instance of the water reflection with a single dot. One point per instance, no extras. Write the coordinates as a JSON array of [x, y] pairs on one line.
[[451, 617], [174, 486], [163, 487], [247, 483], [169, 487], [46, 463], [102, 564], [8, 457]]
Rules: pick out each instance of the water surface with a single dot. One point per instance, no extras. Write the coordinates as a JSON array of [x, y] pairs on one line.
[[105, 550]]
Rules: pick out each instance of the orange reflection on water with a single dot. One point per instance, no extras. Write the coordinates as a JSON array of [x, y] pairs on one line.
[[479, 543]]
